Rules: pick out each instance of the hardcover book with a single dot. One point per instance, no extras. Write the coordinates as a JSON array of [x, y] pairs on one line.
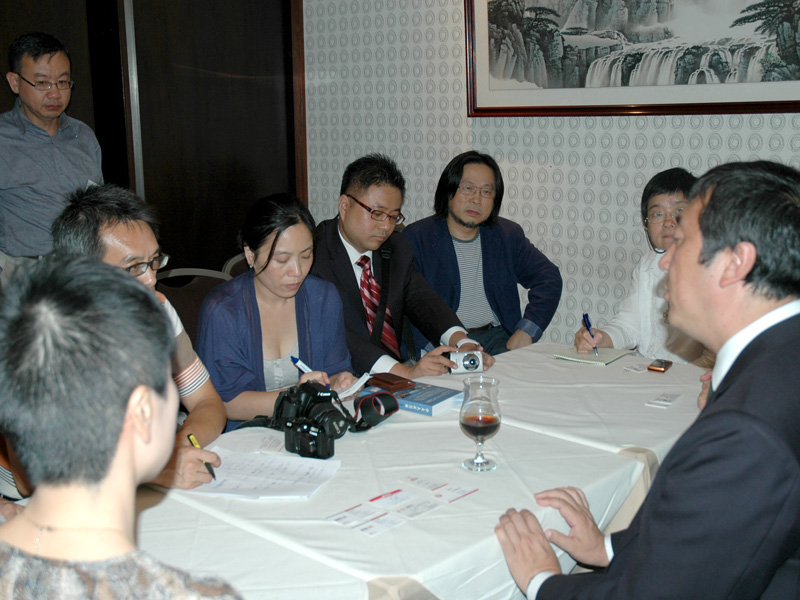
[[424, 399]]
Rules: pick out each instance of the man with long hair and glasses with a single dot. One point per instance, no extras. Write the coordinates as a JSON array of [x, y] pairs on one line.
[[475, 259]]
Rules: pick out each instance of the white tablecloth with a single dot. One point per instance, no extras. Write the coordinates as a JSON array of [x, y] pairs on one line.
[[599, 406], [205, 544], [563, 427]]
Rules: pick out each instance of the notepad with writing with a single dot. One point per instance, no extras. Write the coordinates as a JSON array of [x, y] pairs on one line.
[[607, 355], [267, 475]]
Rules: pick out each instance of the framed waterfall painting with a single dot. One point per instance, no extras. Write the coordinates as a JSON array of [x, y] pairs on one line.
[[593, 57]]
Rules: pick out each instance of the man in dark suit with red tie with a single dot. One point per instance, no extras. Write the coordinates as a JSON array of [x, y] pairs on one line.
[[722, 519], [360, 254]]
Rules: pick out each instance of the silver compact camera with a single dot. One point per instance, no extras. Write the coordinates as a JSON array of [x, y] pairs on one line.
[[466, 362]]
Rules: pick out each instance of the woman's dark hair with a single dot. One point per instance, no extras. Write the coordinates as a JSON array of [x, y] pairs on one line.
[[671, 181], [273, 214], [451, 178]]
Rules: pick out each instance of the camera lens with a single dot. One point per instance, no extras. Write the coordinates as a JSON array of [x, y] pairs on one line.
[[470, 362], [327, 418]]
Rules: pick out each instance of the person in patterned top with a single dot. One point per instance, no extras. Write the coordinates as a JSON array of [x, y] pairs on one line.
[[89, 406]]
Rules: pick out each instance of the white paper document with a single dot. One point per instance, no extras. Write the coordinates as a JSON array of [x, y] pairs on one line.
[[391, 509], [355, 387], [355, 515], [663, 401], [256, 475], [605, 355], [253, 439]]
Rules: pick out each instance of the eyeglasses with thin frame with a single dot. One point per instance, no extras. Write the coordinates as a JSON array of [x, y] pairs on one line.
[[378, 215], [44, 86], [469, 190], [659, 216], [139, 269]]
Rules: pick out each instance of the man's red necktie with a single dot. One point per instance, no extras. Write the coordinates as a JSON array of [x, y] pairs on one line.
[[370, 296]]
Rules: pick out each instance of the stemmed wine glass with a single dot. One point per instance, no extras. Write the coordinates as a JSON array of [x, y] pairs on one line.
[[480, 417]]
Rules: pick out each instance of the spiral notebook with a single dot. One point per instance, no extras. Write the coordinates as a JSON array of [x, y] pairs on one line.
[[607, 356]]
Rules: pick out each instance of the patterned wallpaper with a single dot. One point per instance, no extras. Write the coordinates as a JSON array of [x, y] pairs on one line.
[[389, 76]]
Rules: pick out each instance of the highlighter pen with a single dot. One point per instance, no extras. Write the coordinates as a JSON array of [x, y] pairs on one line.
[[303, 366], [196, 444], [589, 329]]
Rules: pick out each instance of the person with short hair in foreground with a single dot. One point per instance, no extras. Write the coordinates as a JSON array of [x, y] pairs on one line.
[[722, 518], [89, 406]]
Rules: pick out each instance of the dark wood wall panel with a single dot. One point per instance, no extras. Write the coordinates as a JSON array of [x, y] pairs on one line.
[[216, 97], [216, 117], [108, 58]]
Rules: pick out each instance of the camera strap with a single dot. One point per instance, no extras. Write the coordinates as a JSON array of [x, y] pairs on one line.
[[372, 410], [369, 411], [263, 421], [273, 422]]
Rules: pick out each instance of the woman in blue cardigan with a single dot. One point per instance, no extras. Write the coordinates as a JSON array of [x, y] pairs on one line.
[[251, 326]]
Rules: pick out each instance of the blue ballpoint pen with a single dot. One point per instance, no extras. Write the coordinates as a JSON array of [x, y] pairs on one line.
[[589, 329], [300, 364], [303, 367]]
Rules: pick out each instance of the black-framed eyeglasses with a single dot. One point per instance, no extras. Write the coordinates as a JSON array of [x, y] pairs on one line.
[[139, 269], [659, 216], [44, 86], [469, 190], [378, 215]]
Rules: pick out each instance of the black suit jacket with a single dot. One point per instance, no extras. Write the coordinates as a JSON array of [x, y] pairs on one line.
[[409, 294], [722, 519]]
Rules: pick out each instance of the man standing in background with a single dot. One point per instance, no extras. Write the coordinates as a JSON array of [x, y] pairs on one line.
[[44, 154]]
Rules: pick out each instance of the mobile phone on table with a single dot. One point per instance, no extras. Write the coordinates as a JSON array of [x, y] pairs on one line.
[[659, 365]]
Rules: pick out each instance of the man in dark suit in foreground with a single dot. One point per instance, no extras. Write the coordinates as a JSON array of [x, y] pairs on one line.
[[370, 200], [722, 519]]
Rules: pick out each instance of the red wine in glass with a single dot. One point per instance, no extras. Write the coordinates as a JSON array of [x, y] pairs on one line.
[[480, 418], [480, 427]]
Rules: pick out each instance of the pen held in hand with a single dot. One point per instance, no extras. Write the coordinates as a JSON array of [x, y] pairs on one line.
[[300, 364], [589, 329], [196, 444], [303, 367]]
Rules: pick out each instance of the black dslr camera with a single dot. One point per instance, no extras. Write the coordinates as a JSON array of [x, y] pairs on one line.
[[309, 419], [306, 439]]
